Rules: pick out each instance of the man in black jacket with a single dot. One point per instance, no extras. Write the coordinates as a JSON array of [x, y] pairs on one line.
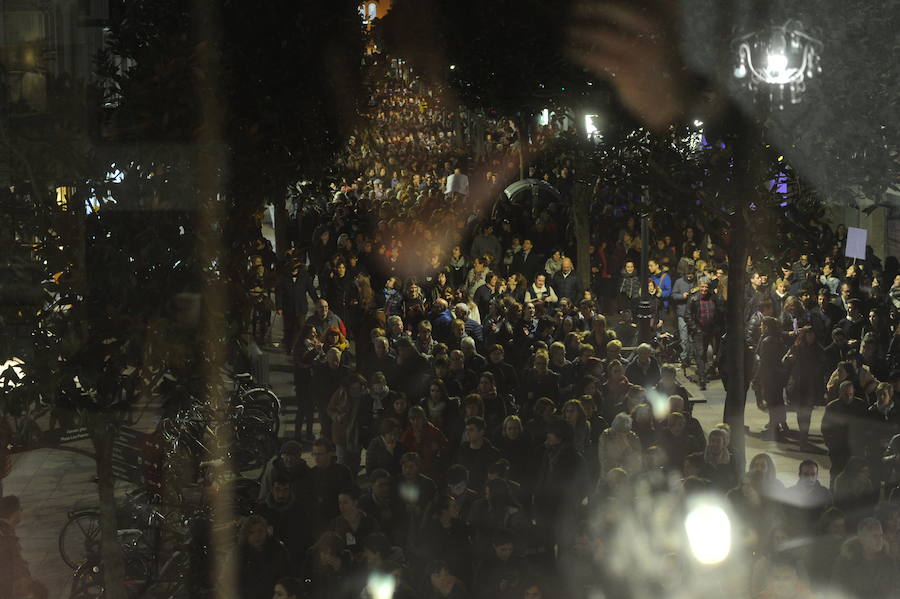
[[566, 283], [326, 479], [561, 480], [292, 303], [477, 453], [526, 262], [286, 516], [288, 465]]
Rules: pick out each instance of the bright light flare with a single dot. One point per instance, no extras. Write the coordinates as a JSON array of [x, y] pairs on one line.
[[709, 531], [660, 405], [590, 126], [776, 64], [18, 373], [409, 492], [381, 586]]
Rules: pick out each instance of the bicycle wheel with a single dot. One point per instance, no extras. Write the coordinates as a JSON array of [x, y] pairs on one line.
[[264, 399], [79, 538]]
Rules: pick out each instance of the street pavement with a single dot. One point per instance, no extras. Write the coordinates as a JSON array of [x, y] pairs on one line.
[[52, 482]]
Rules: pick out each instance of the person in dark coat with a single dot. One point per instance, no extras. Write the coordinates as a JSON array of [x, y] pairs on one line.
[[560, 485], [526, 262], [804, 389], [15, 576], [864, 567], [327, 565], [287, 465], [841, 426], [385, 450], [445, 537], [326, 479], [566, 283], [476, 453], [881, 425], [326, 379], [770, 376], [353, 524], [340, 290], [504, 374], [705, 315], [808, 499], [643, 368], [292, 303], [287, 518], [258, 561]]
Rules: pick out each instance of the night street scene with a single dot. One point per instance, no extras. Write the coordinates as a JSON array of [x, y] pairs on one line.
[[449, 299]]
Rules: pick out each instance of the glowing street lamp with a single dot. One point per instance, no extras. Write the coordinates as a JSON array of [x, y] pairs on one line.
[[778, 57]]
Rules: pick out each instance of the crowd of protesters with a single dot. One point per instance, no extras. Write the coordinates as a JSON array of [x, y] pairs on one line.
[[487, 420]]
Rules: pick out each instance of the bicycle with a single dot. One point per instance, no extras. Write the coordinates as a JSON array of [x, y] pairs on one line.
[[80, 535]]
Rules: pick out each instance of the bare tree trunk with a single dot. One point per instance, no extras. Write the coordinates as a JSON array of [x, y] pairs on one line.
[[581, 215], [111, 551], [736, 395]]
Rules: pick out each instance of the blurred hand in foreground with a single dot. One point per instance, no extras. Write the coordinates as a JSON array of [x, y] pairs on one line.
[[634, 45]]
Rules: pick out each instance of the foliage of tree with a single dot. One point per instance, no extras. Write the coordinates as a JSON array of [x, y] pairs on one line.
[[845, 135], [202, 114]]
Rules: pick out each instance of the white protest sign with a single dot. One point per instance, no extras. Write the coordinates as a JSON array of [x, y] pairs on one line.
[[856, 243]]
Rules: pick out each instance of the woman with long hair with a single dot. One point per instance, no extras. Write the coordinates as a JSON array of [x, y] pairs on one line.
[[719, 461], [340, 289], [334, 338], [516, 286], [599, 335], [442, 410], [793, 316], [516, 446], [574, 414], [344, 410], [363, 307], [614, 390], [326, 566]]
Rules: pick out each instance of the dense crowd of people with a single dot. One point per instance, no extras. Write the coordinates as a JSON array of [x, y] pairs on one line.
[[488, 420]]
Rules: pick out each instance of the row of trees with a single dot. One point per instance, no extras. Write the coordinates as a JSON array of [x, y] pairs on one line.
[[198, 116]]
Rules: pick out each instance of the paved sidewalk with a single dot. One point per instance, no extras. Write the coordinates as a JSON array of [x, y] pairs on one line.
[[50, 483], [787, 456]]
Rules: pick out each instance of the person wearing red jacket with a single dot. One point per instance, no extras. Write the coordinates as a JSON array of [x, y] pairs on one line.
[[427, 440]]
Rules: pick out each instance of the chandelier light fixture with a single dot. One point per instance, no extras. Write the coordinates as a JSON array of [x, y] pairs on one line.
[[778, 59]]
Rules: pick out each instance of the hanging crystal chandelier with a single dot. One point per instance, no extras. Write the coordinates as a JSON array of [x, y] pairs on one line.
[[778, 59]]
